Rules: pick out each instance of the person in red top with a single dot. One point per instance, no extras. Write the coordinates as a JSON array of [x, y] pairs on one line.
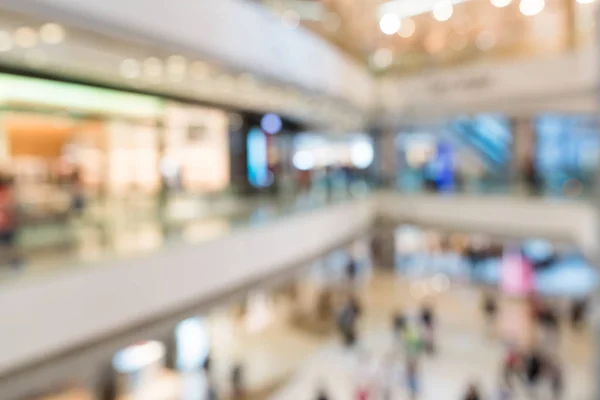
[[8, 221]]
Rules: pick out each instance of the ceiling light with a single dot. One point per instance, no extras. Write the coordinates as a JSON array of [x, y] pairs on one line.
[[332, 22], [153, 68], [26, 37], [410, 8], [199, 70], [291, 18], [485, 41], [130, 68], [443, 10], [271, 123], [52, 33], [407, 28], [530, 8], [389, 24], [435, 42], [382, 58], [458, 42], [5, 41], [585, 1], [176, 65], [500, 3]]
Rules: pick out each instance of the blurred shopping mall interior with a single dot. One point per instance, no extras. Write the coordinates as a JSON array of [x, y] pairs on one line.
[[299, 200]]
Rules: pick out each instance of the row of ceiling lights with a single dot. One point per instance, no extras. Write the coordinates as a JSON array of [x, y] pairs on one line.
[[27, 37], [391, 24], [175, 68]]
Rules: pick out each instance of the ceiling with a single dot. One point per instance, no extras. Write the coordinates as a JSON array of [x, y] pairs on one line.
[[475, 30], [34, 45]]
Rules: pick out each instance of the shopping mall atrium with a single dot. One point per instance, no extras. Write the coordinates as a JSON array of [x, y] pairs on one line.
[[299, 200]]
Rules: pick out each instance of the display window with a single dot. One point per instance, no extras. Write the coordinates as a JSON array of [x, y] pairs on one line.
[[44, 151], [141, 373], [196, 153], [567, 152]]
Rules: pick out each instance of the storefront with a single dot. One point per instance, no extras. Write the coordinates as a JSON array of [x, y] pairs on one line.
[[57, 138], [567, 153], [468, 153], [341, 164]]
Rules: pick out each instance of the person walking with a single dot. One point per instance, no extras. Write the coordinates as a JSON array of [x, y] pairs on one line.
[[428, 322], [472, 393], [412, 378], [8, 222], [490, 310], [237, 381]]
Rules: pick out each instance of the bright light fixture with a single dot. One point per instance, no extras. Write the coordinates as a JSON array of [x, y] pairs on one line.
[[153, 68], [130, 68], [410, 8], [52, 33], [500, 3], [485, 41], [407, 29], [585, 1], [382, 58], [26, 37], [443, 10], [530, 8], [199, 70], [389, 24], [5, 41]]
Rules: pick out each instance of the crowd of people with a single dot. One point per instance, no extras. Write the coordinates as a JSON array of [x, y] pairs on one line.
[[533, 370]]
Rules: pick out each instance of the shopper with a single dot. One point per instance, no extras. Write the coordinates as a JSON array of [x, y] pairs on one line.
[[237, 381], [322, 395], [472, 393], [78, 202], [351, 269], [413, 343], [555, 375], [412, 378], [8, 222], [534, 369], [512, 365], [399, 324], [578, 311], [428, 322], [347, 320], [490, 310]]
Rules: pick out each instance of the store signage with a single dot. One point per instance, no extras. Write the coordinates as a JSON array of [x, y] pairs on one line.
[[471, 83]]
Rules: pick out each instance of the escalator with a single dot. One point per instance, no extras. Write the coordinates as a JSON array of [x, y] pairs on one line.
[[488, 137]]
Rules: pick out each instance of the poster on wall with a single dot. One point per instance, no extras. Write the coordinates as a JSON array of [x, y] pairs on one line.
[[258, 163]]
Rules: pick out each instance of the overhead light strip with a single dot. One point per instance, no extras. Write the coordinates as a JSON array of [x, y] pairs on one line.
[[410, 8]]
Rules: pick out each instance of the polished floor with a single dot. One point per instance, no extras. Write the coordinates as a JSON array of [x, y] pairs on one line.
[[467, 352], [287, 353], [306, 359]]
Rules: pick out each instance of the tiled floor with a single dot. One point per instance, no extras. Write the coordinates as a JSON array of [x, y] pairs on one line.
[[283, 351], [284, 360]]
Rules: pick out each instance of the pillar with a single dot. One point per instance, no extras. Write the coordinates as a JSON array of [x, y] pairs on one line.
[[383, 245], [105, 383], [524, 143], [385, 162]]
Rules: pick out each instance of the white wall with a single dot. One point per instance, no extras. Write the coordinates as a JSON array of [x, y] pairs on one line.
[[502, 215], [237, 32], [562, 82]]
